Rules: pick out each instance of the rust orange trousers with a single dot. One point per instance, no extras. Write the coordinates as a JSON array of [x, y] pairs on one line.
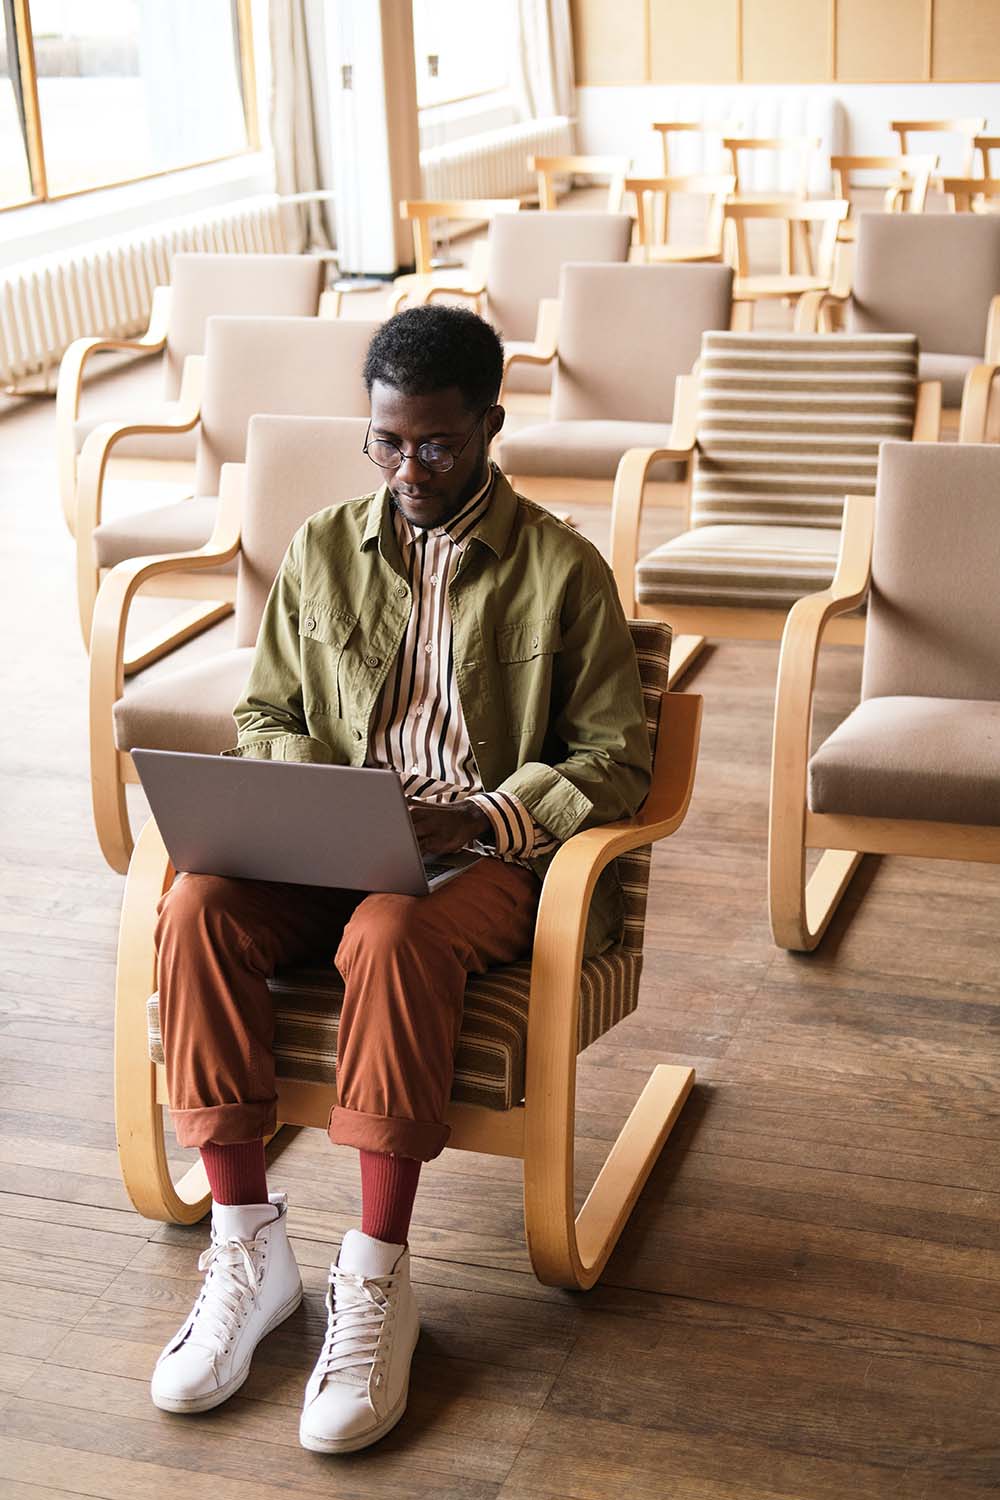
[[404, 961]]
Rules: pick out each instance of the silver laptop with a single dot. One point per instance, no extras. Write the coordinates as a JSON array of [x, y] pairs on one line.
[[342, 826]]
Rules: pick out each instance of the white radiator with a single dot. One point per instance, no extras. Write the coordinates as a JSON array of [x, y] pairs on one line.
[[494, 164], [106, 287]]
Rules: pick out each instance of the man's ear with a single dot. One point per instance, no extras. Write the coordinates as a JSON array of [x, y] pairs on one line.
[[494, 421]]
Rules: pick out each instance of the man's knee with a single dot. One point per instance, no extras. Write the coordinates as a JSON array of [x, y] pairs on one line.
[[193, 904], [385, 927]]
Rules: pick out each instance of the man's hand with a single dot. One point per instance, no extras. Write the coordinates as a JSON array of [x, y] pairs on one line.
[[446, 827]]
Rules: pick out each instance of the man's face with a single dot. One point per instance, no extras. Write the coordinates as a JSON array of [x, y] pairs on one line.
[[427, 498]]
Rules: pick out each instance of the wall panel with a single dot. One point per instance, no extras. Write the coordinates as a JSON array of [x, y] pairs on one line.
[[609, 40], [787, 41], [881, 42], [694, 43], [966, 40]]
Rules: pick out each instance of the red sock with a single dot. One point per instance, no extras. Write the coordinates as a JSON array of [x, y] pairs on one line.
[[388, 1187], [236, 1174]]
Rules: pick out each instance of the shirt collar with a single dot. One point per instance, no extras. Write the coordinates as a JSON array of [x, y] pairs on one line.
[[460, 527], [495, 507]]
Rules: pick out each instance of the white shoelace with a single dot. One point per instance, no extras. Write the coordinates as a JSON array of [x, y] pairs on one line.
[[357, 1308], [217, 1313]]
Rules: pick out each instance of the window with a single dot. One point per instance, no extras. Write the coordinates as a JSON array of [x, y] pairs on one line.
[[94, 93], [462, 48]]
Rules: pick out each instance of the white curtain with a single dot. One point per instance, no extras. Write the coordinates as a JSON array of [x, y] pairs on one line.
[[542, 73], [293, 122]]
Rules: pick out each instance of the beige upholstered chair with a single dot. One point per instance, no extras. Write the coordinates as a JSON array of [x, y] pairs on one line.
[[915, 768], [549, 169], [625, 334], [652, 198], [935, 275], [297, 465], [522, 259], [302, 366], [200, 285], [775, 430], [524, 1023]]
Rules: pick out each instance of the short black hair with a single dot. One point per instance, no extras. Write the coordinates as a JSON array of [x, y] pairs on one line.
[[434, 346]]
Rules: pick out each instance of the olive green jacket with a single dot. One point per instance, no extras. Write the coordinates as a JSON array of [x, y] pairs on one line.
[[545, 666]]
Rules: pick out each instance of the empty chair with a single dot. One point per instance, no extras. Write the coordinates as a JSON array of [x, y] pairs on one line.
[[652, 199], [300, 366], [423, 213], [625, 334], [967, 129], [200, 285], [794, 214], [776, 428], [786, 170], [549, 169], [906, 191], [297, 465], [524, 256], [935, 275], [914, 769]]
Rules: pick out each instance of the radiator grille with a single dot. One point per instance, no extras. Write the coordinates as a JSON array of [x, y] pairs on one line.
[[106, 287], [495, 163]]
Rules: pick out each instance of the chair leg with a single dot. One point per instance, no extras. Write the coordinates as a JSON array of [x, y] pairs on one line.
[[572, 1250], [801, 910], [683, 651]]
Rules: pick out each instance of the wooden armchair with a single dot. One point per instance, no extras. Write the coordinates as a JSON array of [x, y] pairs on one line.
[[652, 197], [968, 128], [906, 193], [310, 366], [915, 768], [297, 466], [773, 429], [796, 150], [548, 168], [515, 1080], [201, 285], [829, 213]]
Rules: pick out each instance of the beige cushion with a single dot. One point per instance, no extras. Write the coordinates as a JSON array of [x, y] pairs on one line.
[[951, 370], [165, 528], [583, 450], [756, 567], [935, 759], [934, 610], [179, 446], [788, 424], [190, 708], [928, 274], [626, 332]]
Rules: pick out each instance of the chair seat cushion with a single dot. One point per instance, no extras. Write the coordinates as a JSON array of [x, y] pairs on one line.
[[584, 450], [180, 527], [187, 709], [746, 567], [930, 759], [179, 446], [489, 1062], [951, 370]]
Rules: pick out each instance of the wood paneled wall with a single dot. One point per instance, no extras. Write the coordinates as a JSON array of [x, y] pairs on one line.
[[787, 41]]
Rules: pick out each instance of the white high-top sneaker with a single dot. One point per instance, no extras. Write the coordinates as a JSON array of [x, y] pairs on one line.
[[252, 1285], [358, 1390]]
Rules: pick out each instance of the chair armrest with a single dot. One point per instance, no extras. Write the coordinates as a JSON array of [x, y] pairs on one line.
[[70, 383], [977, 398], [630, 485], [330, 302], [543, 349], [927, 414], [813, 310], [992, 351], [123, 582], [173, 416]]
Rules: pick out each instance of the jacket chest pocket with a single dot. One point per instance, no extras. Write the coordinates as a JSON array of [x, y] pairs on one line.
[[323, 637], [526, 652]]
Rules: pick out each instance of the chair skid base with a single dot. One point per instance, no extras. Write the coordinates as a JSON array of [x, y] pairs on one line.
[[801, 931], [683, 653]]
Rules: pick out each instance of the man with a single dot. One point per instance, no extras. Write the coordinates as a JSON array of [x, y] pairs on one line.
[[449, 629]]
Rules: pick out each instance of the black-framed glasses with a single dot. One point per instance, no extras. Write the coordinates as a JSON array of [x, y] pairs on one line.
[[436, 458]]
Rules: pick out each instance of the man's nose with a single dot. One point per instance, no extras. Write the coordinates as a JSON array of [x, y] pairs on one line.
[[411, 470]]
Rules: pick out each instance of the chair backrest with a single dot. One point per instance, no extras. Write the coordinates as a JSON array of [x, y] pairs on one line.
[[422, 213], [788, 424], [528, 251], [295, 466], [245, 286], [906, 193], [830, 213], [651, 639], [972, 194], [796, 149], [627, 332], [934, 611], [928, 274], [984, 146], [967, 128], [688, 128], [652, 196], [303, 367], [548, 168]]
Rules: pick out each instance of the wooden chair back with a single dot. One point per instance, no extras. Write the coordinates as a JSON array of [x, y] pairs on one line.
[[984, 146], [972, 194], [548, 168], [652, 194], [421, 212], [969, 127], [799, 147], [908, 193], [667, 128], [827, 212]]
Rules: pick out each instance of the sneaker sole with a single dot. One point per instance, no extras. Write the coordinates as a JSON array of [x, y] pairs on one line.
[[216, 1398]]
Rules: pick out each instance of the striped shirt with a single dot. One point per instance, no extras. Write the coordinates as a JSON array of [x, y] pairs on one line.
[[418, 728]]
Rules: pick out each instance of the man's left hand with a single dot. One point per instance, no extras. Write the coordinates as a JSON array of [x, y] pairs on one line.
[[446, 827]]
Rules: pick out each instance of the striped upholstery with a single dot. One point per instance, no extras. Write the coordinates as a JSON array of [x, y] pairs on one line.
[[787, 426], [489, 1063]]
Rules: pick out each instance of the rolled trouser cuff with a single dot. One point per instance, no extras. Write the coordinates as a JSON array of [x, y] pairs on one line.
[[421, 1140], [225, 1124]]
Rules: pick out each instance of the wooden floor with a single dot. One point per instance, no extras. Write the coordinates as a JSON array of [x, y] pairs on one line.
[[805, 1304]]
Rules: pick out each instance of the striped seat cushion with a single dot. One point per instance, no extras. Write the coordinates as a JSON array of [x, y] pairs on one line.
[[489, 1062], [767, 567]]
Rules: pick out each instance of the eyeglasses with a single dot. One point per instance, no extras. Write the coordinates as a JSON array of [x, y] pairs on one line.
[[434, 457]]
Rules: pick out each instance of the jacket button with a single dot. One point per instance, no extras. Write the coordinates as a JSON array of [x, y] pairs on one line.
[[534, 640], [402, 590], [357, 734], [373, 661], [310, 623]]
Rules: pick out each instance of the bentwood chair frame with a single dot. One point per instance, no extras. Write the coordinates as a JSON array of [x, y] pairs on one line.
[[968, 126], [829, 213], [548, 168], [907, 194], [801, 146], [652, 197], [567, 1248], [667, 128]]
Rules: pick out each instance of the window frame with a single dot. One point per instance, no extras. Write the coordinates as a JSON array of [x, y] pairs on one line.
[[25, 63]]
